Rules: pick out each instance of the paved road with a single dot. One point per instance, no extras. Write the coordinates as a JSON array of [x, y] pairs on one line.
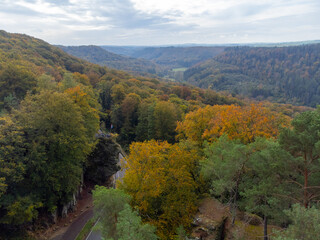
[[76, 226], [94, 235]]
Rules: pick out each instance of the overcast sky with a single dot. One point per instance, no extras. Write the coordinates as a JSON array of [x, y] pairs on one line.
[[158, 22]]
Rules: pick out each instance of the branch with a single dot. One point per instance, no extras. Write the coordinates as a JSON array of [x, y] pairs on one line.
[[293, 181], [315, 196], [286, 196]]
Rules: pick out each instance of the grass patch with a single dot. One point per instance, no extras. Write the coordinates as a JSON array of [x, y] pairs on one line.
[[85, 230], [179, 69], [250, 232]]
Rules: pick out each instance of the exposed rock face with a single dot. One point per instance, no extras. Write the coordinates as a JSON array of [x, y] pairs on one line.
[[211, 220], [102, 163]]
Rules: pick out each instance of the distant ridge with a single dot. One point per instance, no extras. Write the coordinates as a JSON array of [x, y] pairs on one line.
[[103, 57]]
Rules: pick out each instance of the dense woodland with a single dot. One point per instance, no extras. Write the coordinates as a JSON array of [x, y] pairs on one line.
[[282, 74], [177, 57], [183, 143], [101, 56]]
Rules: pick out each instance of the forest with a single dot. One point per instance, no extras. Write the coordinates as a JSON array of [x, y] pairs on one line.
[[103, 57], [283, 74], [184, 145], [279, 74]]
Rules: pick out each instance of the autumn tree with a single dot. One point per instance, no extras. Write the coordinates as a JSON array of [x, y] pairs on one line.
[[243, 123], [159, 178], [118, 93], [84, 97], [16, 80]]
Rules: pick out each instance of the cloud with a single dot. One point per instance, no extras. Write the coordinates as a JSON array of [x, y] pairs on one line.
[[140, 22]]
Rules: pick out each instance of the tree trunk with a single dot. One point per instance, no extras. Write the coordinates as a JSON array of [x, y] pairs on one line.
[[305, 192], [265, 228], [234, 209]]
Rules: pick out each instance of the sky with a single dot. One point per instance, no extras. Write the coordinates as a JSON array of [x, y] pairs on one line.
[[162, 22]]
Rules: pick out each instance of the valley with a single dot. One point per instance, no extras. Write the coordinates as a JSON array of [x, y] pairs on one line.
[[219, 142]]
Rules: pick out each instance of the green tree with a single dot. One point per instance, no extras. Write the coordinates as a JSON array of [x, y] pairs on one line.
[[145, 128], [16, 80], [14, 199], [118, 93], [224, 167], [305, 224], [165, 121], [55, 143], [303, 142], [264, 185], [108, 203], [130, 226]]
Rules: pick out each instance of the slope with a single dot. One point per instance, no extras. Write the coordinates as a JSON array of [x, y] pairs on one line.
[[177, 57], [282, 74], [103, 57]]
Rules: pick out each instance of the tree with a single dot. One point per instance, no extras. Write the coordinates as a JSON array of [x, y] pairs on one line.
[[108, 203], [118, 93], [145, 128], [159, 177], [305, 224], [129, 108], [116, 219], [243, 123], [16, 206], [84, 97], [130, 226], [58, 143], [303, 142], [165, 121], [16, 80], [264, 185], [224, 167]]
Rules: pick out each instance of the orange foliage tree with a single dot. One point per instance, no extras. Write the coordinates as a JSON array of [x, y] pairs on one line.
[[244, 123], [160, 180]]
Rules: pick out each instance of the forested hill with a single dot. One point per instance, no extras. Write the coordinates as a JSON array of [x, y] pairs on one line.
[[36, 54], [103, 57], [177, 57], [282, 74], [51, 107]]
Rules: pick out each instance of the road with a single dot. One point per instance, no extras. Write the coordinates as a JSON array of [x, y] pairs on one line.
[[76, 226]]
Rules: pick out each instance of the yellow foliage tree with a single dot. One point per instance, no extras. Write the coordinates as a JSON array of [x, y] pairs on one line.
[[244, 123], [160, 180]]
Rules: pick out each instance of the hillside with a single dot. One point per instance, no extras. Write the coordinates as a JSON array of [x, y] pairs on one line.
[[177, 57], [61, 116], [281, 74], [103, 57], [51, 107]]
